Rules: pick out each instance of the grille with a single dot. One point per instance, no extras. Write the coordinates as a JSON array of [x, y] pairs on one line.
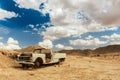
[[24, 58]]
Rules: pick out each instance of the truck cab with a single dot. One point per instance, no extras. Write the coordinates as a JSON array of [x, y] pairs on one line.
[[39, 57]]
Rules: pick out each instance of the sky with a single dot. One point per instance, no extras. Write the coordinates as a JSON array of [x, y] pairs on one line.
[[59, 24]]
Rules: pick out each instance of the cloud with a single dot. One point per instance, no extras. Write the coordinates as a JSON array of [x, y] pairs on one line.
[[100, 14], [68, 47], [115, 42], [72, 30], [1, 38], [4, 30], [11, 44], [58, 32], [46, 44], [26, 31], [112, 39], [91, 42], [102, 11], [60, 46], [90, 37], [12, 41], [31, 26], [6, 14], [34, 28], [73, 18], [108, 13], [114, 36], [33, 4], [2, 45]]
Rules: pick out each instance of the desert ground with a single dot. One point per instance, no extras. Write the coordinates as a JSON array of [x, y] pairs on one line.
[[74, 68]]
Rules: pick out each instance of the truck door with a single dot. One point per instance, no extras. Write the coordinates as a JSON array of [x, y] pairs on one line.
[[48, 57]]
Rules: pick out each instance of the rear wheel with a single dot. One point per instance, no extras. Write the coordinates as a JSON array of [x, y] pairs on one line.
[[61, 60]]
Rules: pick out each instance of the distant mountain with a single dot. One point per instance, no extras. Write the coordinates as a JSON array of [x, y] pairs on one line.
[[107, 49], [100, 50], [77, 52], [32, 48], [86, 52], [29, 48], [7, 52]]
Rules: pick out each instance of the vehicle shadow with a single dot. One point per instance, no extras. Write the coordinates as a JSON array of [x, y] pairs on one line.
[[19, 67]]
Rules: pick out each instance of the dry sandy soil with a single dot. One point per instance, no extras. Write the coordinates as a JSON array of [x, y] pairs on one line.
[[74, 68]]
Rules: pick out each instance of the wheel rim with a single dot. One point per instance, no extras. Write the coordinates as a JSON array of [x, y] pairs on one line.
[[37, 64]]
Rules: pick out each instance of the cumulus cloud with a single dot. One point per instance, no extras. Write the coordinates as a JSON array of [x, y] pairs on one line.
[[89, 37], [108, 13], [115, 42], [112, 39], [1, 38], [102, 11], [11, 44], [58, 32], [34, 28], [99, 14], [6, 14], [92, 42], [46, 44], [80, 16], [62, 12], [26, 31], [76, 17], [2, 45], [4, 30], [33, 4], [12, 41], [68, 47], [31, 26], [114, 36], [60, 46], [74, 29]]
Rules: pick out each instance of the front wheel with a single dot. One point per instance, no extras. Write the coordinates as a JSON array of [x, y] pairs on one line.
[[38, 63], [25, 66]]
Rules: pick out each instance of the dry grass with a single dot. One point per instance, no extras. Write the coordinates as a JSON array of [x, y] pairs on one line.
[[7, 52]]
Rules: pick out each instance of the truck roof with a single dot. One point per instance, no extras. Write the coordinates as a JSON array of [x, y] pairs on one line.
[[42, 50]]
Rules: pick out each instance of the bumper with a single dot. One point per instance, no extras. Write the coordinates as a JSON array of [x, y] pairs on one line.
[[28, 63]]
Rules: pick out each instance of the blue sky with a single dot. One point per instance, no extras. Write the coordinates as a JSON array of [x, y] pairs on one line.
[[25, 17], [59, 24]]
